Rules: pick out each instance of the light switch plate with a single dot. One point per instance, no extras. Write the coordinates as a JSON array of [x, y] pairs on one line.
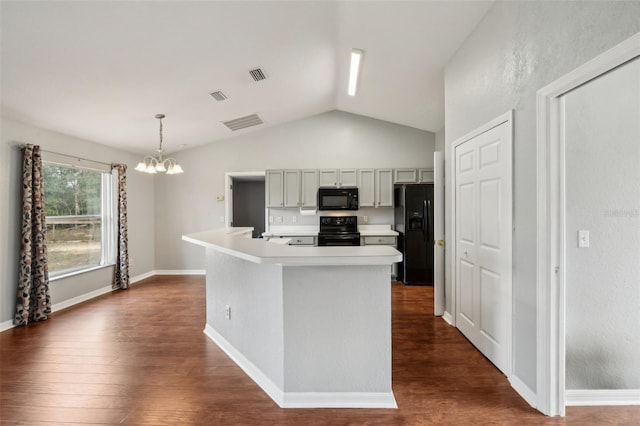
[[583, 238]]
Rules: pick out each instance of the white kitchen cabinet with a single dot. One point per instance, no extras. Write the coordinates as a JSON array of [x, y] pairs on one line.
[[348, 177], [339, 177], [282, 188], [309, 188], [384, 188], [383, 240], [291, 188], [303, 241], [376, 187], [275, 188], [405, 175], [367, 188], [425, 175]]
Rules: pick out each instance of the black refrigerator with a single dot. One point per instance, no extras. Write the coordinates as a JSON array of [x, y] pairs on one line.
[[414, 223]]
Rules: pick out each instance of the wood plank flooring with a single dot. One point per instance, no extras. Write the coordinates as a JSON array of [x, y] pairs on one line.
[[139, 357]]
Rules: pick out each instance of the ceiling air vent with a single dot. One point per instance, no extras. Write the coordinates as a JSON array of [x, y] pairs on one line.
[[257, 74], [243, 122], [219, 95]]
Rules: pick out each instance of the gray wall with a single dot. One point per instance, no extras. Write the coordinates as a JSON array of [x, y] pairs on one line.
[[186, 203], [518, 48], [440, 140], [602, 154], [248, 205], [141, 212]]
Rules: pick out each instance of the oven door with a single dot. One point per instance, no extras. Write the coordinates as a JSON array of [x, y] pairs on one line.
[[338, 240]]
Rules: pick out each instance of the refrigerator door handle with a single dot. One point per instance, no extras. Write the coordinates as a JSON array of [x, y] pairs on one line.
[[429, 223], [425, 216]]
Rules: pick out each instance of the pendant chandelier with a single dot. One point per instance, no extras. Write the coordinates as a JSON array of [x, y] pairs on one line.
[[156, 164]]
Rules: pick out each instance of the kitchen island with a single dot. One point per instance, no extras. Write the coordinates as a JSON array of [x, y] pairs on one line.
[[310, 325]]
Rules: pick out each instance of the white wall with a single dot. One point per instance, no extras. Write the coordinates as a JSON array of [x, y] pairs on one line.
[[518, 48], [140, 203], [602, 134], [186, 203]]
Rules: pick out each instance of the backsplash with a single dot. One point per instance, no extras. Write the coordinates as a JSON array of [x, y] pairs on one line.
[[292, 217]]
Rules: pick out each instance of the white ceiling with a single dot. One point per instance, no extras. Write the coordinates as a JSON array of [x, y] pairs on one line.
[[102, 70]]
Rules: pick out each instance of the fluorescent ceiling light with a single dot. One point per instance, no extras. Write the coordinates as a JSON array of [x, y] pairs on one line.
[[356, 59]]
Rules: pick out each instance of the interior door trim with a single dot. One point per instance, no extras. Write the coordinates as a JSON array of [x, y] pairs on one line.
[[507, 119], [550, 244]]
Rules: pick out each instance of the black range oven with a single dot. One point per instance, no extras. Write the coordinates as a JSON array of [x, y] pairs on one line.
[[338, 231]]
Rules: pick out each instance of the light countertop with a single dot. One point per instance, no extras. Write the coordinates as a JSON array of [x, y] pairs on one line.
[[301, 231], [234, 241]]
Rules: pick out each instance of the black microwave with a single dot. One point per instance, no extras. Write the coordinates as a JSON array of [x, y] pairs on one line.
[[338, 199]]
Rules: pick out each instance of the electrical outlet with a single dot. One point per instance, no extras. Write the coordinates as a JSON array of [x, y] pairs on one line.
[[294, 219], [279, 219], [227, 312], [365, 219], [270, 219]]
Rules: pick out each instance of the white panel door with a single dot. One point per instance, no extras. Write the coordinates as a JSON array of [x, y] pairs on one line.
[[483, 203]]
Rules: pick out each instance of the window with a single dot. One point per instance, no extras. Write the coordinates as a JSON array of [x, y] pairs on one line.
[[79, 209]]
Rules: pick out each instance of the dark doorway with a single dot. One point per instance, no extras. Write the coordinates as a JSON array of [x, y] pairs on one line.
[[248, 203]]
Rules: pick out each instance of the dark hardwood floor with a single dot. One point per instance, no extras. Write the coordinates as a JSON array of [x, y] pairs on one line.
[[140, 357]]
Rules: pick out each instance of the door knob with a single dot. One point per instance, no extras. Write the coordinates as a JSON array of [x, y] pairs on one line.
[[441, 243]]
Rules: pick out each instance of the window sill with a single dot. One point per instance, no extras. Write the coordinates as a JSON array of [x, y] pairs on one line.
[[79, 271]]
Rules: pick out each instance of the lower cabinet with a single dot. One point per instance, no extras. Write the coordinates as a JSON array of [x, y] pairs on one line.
[[303, 241], [383, 240]]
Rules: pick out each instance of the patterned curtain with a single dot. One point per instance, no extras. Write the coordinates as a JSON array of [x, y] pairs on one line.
[[33, 301], [121, 277]]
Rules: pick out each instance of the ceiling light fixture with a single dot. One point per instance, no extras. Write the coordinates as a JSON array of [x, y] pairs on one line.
[[354, 71], [153, 165]]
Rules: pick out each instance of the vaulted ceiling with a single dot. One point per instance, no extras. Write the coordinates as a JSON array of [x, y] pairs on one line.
[[102, 70]]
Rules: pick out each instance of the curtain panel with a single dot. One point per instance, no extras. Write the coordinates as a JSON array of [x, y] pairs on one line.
[[33, 301], [121, 276]]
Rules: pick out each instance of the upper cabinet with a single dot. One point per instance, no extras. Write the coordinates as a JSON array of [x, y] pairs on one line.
[[376, 187], [309, 188], [425, 175], [384, 188], [299, 188], [282, 188], [275, 188], [367, 188], [413, 175], [291, 188], [338, 178], [405, 175]]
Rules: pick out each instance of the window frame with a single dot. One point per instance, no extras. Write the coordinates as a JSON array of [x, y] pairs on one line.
[[107, 214]]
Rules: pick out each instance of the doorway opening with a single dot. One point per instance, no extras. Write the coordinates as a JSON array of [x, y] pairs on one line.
[[245, 201]]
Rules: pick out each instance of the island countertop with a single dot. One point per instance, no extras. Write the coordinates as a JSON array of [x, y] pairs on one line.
[[233, 241]]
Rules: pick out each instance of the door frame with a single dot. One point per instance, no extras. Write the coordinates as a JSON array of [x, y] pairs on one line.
[[506, 118], [439, 304], [228, 199], [551, 214]]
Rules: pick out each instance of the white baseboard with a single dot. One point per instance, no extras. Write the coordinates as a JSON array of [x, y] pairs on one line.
[[447, 317], [141, 277], [339, 400], [301, 399], [247, 366], [79, 299], [6, 325], [524, 391], [586, 397], [179, 272]]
